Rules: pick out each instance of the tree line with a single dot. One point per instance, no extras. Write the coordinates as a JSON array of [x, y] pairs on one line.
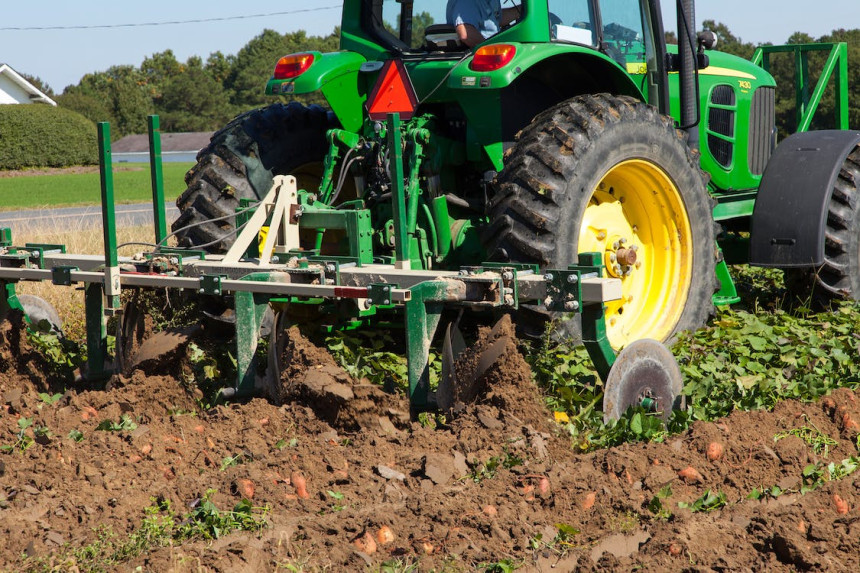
[[198, 95]]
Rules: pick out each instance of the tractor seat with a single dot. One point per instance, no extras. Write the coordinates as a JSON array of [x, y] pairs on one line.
[[442, 38]]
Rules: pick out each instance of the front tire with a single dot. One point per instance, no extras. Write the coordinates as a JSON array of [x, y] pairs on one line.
[[609, 174], [839, 277]]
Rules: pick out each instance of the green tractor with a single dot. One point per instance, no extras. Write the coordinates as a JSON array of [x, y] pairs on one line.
[[574, 129]]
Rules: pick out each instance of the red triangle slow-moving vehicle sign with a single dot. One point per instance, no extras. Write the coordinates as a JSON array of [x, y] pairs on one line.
[[393, 93]]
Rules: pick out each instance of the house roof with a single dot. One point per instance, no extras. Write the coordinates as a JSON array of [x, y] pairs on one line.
[[36, 94], [170, 142]]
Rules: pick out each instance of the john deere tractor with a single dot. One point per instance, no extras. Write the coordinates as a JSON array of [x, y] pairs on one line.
[[574, 129]]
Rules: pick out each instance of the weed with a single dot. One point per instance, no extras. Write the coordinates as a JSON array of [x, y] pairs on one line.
[[373, 355], [503, 566], [62, 354], [488, 469], [125, 424], [292, 443], [812, 436], [762, 492], [338, 497], [560, 544], [624, 522], [49, 399], [206, 521], [397, 565], [240, 458], [814, 475], [709, 501], [656, 505], [76, 435], [22, 439]]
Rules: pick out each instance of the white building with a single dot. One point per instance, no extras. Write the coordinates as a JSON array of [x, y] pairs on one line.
[[15, 89]]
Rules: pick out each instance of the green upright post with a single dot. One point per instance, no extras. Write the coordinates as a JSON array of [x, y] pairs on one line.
[[157, 178], [111, 285], [842, 87], [422, 313], [801, 63], [398, 198]]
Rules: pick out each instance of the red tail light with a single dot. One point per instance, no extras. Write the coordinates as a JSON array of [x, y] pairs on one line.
[[492, 57], [293, 66]]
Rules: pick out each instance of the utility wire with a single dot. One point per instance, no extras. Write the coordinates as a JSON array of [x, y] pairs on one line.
[[168, 23]]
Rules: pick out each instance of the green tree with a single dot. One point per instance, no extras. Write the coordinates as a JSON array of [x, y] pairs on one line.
[[40, 84], [193, 101], [93, 108], [158, 69], [123, 89], [219, 66]]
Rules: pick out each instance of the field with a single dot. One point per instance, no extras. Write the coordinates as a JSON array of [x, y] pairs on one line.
[[33, 189], [151, 471]]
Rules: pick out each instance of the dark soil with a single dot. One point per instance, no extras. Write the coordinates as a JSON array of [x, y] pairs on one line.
[[491, 485]]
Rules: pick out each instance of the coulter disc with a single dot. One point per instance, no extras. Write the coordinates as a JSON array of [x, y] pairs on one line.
[[645, 373]]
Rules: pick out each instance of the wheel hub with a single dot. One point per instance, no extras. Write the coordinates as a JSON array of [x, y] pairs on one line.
[[620, 260], [636, 218]]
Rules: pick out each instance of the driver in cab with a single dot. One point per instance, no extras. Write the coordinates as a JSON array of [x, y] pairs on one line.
[[477, 20]]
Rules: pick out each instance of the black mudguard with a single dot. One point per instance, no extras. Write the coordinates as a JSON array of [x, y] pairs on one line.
[[790, 214]]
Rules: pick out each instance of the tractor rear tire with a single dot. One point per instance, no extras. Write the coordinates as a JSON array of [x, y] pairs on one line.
[[241, 161], [839, 277], [603, 173]]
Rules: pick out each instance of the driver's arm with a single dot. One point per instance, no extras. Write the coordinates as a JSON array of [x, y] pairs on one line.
[[469, 35]]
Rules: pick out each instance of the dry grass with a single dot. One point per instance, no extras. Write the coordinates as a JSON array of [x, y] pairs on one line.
[[69, 301]]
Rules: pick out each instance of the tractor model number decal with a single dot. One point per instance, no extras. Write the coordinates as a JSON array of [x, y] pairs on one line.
[[745, 85]]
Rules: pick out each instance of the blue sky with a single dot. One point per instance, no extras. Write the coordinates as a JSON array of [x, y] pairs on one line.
[[61, 57]]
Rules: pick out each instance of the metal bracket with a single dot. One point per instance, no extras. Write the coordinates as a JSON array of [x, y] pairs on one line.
[[379, 294], [210, 284], [62, 275], [563, 290]]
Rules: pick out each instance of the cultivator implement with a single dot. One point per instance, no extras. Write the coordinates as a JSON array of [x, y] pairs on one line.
[[266, 268]]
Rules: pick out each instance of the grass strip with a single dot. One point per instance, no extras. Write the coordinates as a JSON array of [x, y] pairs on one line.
[[71, 188]]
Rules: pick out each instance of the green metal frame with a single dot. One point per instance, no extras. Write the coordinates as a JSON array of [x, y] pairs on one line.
[[157, 179], [835, 69]]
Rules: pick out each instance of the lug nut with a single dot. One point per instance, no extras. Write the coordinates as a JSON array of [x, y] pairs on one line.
[[573, 279], [548, 277], [571, 305]]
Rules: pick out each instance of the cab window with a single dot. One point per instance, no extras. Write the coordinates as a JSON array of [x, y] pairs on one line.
[[572, 21], [624, 35]]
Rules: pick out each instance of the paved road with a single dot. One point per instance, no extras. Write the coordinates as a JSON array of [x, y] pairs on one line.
[[83, 217]]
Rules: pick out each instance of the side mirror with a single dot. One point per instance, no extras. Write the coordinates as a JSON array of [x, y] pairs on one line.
[[706, 40]]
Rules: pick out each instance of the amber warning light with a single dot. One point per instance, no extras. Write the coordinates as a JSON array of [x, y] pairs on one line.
[[393, 93], [492, 57], [293, 66]]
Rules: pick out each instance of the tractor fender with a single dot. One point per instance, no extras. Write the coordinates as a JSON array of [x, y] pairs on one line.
[[336, 75], [790, 215], [563, 62]]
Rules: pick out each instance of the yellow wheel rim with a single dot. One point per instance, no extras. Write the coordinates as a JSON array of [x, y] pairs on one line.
[[637, 219]]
